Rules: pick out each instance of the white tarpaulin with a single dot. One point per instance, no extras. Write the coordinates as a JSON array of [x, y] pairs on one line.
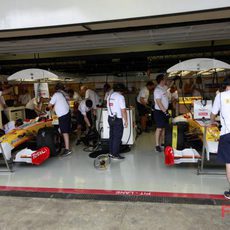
[[32, 75], [198, 64]]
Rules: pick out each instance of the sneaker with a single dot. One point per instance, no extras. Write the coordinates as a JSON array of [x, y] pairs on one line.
[[118, 157], [227, 194], [66, 152], [158, 149]]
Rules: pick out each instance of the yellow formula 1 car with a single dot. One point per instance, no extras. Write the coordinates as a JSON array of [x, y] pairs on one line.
[[185, 138]]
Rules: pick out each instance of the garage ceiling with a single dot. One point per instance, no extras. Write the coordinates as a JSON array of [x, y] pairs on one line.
[[155, 34], [214, 31]]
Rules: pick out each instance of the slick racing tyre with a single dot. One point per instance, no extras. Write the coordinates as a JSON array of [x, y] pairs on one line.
[[175, 135], [51, 138]]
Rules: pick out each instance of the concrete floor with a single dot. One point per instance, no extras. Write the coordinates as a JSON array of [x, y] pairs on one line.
[[38, 213]]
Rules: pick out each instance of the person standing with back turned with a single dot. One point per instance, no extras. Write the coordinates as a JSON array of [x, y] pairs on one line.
[[222, 104], [117, 115], [142, 101], [61, 106]]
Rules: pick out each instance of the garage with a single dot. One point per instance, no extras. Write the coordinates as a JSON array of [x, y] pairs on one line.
[[129, 47]]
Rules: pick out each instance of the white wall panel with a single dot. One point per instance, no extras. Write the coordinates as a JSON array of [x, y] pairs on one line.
[[28, 13]]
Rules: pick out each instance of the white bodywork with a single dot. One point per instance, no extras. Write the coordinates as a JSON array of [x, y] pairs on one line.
[[186, 156], [20, 156]]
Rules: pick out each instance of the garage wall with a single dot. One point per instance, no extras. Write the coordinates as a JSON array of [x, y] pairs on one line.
[[16, 14]]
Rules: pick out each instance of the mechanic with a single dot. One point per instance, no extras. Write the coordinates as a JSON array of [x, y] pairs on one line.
[[222, 104], [82, 117], [173, 99], [3, 103], [33, 107], [117, 120], [61, 106], [74, 96], [12, 125], [142, 102], [3, 106], [24, 97], [92, 95], [161, 107]]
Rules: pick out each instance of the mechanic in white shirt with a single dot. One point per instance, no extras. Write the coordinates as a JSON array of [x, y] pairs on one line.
[[76, 98], [12, 125], [173, 99], [83, 117], [33, 107], [92, 95], [24, 97], [142, 101], [117, 120], [222, 105], [161, 107], [3, 104], [61, 106]]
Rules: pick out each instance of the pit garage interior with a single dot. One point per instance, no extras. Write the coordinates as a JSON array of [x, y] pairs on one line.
[[130, 51]]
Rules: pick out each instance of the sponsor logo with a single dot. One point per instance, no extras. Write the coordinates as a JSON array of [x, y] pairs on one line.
[[39, 153], [203, 114]]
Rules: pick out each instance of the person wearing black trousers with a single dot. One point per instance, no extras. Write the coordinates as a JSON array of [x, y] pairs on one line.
[[117, 120]]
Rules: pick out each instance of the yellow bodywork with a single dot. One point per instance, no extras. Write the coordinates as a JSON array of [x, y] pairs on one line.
[[24, 133], [212, 134]]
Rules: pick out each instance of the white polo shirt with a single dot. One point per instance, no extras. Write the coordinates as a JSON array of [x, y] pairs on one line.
[[9, 126], [144, 93], [61, 106], [161, 93], [83, 108], [90, 94], [172, 96], [115, 103], [32, 103], [222, 104]]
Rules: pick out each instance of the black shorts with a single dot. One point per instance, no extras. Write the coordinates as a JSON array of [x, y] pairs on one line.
[[142, 110], [160, 118], [223, 155], [65, 123]]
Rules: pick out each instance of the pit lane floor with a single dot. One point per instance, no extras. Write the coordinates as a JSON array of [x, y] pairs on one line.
[[58, 214], [143, 170]]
